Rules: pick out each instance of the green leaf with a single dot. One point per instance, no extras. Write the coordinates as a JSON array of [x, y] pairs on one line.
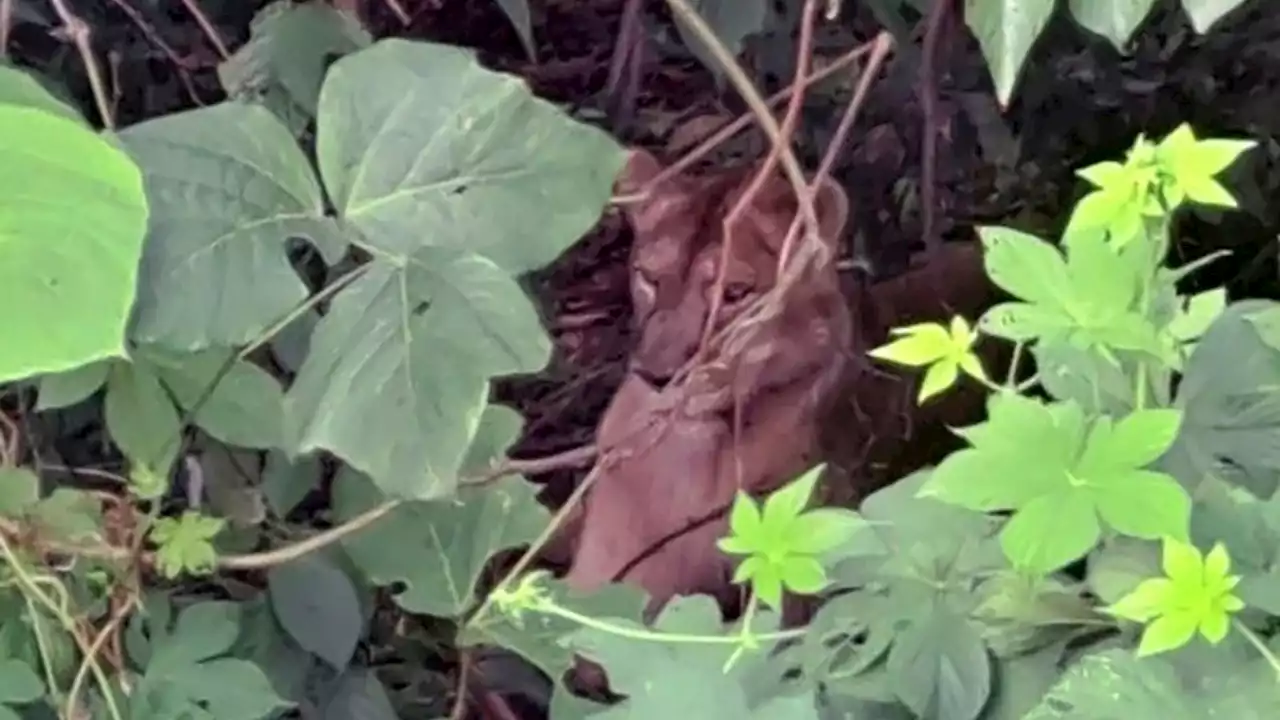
[[789, 501], [186, 543], [67, 388], [142, 420], [229, 186], [414, 144], [20, 89], [1006, 30], [19, 491], [246, 407], [203, 631], [940, 668], [1115, 20], [1051, 532], [401, 399], [290, 47], [1143, 504], [1114, 686], [1025, 266], [72, 220], [1230, 396], [70, 515], [441, 545], [1205, 14], [19, 683], [500, 427], [317, 605]]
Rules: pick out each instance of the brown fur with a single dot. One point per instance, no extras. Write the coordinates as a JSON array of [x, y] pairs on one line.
[[747, 420]]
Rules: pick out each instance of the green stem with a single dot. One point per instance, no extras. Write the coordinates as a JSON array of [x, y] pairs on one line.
[[1260, 646], [32, 588], [548, 607]]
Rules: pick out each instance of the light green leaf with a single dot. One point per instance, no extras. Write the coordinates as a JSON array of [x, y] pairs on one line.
[[418, 145], [229, 186], [1143, 504], [1206, 191], [1197, 313], [72, 221], [1205, 14], [1006, 30], [937, 379], [1114, 19], [791, 499], [67, 388], [917, 345], [1136, 441], [398, 375], [141, 419], [1170, 631], [1022, 322], [246, 407], [1051, 532], [1025, 266], [19, 684], [441, 546]]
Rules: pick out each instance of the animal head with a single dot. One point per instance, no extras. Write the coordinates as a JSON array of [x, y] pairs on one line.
[[677, 254]]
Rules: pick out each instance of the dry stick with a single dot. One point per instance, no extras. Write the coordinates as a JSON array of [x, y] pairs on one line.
[[750, 95], [789, 122], [880, 49], [155, 39], [207, 27], [398, 10], [78, 31], [928, 89]]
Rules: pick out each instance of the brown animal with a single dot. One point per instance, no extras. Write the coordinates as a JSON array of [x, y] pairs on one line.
[[747, 419]]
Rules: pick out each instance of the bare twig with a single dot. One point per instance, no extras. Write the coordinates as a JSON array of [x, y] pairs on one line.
[[790, 119], [928, 89], [398, 10], [751, 96], [78, 31], [207, 28], [165, 48]]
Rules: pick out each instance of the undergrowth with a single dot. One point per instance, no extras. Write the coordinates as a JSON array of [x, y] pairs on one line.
[[1105, 545]]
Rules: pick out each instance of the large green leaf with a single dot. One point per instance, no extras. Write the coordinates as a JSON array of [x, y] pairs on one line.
[[457, 178], [20, 89], [398, 374], [1113, 19], [72, 221], [1230, 395], [1006, 30], [229, 186], [440, 546], [419, 145], [940, 668]]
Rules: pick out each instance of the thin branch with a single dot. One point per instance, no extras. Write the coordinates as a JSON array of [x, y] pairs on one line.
[[207, 28], [165, 48], [78, 31]]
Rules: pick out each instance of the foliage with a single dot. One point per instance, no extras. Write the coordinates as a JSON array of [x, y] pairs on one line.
[[1103, 546]]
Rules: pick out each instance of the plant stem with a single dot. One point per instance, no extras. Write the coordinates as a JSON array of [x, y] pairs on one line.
[[1260, 646], [548, 607]]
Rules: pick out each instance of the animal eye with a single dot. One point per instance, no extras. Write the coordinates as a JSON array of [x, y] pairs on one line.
[[735, 292]]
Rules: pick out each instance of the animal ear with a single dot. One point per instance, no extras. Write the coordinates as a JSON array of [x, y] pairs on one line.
[[641, 167], [831, 205]]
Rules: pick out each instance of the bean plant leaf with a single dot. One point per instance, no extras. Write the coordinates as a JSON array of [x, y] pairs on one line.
[[1115, 20], [141, 418], [441, 546], [19, 683], [421, 146], [662, 679], [229, 186], [940, 668], [73, 216], [290, 47], [359, 695], [401, 398], [317, 605], [67, 388], [245, 407], [415, 143], [1230, 394], [19, 88], [1006, 30], [19, 490], [1205, 14]]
